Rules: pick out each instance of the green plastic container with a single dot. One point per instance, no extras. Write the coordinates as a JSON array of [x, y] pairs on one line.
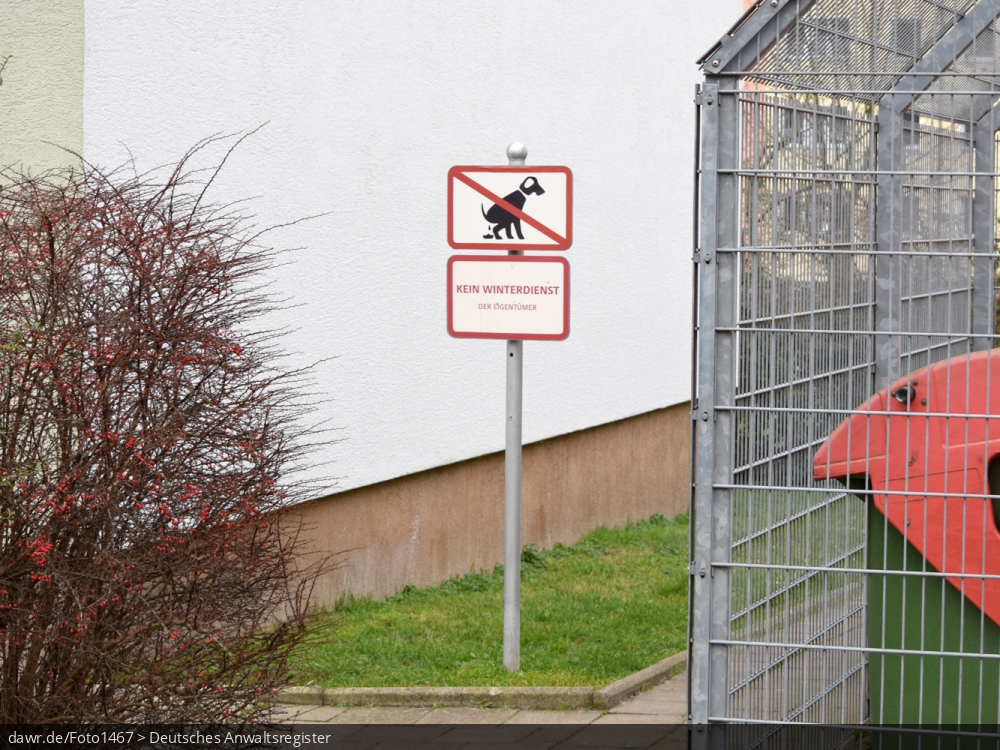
[[925, 614]]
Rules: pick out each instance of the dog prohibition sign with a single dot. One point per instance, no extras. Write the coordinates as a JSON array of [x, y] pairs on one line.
[[510, 208]]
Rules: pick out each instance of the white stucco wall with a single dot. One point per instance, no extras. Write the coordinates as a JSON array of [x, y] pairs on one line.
[[41, 98], [367, 105]]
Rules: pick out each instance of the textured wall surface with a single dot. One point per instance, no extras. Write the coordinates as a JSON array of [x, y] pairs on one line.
[[436, 524], [41, 99], [367, 103]]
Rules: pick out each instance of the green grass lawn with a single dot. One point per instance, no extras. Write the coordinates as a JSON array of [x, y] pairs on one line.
[[592, 613]]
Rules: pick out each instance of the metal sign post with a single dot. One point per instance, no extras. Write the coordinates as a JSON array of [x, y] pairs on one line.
[[516, 298], [516, 155]]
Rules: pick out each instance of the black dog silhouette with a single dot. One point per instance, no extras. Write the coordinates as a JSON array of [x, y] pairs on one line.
[[503, 219]]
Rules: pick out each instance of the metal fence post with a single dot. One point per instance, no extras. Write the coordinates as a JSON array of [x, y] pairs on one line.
[[711, 542], [889, 231], [704, 447], [984, 228]]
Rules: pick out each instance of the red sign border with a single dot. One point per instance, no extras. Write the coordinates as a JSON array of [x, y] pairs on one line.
[[508, 245], [511, 259]]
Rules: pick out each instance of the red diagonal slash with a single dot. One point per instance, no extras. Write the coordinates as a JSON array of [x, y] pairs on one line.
[[509, 208]]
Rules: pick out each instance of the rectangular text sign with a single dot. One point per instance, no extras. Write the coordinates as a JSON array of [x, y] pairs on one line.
[[510, 208], [508, 297]]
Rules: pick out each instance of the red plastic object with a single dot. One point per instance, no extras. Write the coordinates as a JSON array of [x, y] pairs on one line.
[[925, 444]]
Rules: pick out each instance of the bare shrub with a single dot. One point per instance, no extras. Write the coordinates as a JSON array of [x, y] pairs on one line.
[[146, 436]]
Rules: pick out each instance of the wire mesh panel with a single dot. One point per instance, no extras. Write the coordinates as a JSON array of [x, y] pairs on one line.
[[807, 281], [845, 551], [935, 239]]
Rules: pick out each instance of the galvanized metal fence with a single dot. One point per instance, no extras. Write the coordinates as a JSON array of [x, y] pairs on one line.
[[845, 558]]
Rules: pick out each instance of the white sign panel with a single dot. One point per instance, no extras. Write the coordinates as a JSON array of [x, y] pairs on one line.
[[510, 208], [508, 297]]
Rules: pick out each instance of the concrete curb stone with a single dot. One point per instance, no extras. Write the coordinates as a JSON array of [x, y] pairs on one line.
[[512, 697], [301, 696], [483, 697], [529, 697], [626, 687]]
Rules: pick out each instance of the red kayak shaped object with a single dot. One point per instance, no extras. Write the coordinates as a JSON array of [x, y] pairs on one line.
[[924, 447]]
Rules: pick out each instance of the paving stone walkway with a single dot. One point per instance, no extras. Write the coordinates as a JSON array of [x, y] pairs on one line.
[[665, 703]]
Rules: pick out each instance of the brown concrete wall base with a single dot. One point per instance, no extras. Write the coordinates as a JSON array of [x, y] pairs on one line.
[[431, 526]]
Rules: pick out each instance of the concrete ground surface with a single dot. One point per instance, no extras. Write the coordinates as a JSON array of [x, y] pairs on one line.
[[663, 704]]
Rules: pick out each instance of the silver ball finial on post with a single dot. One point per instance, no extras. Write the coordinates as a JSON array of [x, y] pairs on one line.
[[517, 152]]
